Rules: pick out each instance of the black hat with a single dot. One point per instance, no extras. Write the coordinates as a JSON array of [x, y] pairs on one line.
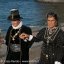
[[14, 15]]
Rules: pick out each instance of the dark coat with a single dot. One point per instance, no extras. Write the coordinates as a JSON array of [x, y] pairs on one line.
[[24, 45], [54, 50]]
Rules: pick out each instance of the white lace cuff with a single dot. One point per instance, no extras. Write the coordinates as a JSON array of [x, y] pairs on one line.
[[30, 38], [56, 62]]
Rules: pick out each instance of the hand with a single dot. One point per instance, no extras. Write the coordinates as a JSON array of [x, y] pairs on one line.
[[24, 36]]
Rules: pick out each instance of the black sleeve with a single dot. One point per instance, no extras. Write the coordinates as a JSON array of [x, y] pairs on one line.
[[40, 36], [28, 31], [7, 36], [60, 48], [25, 29]]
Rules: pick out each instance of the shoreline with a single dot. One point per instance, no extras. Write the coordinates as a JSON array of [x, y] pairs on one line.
[[49, 1]]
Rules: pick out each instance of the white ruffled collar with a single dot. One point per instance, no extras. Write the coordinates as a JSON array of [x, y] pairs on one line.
[[20, 25]]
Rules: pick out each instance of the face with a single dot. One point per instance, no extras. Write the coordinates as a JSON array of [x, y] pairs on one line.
[[51, 22], [15, 23]]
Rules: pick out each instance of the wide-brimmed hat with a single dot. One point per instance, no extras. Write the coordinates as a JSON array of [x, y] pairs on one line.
[[14, 15]]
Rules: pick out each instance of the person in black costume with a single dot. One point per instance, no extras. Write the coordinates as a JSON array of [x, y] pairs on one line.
[[53, 41], [18, 49]]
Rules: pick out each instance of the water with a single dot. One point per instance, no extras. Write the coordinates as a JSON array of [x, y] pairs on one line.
[[33, 13]]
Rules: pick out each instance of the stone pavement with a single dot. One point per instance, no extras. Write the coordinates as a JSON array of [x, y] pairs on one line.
[[34, 53]]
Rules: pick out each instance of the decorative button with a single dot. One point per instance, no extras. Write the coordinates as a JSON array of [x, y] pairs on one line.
[[46, 56], [53, 53]]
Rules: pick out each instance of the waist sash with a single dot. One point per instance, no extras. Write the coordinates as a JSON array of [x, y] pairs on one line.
[[15, 47]]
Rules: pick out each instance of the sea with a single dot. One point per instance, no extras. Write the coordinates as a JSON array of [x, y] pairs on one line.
[[33, 12]]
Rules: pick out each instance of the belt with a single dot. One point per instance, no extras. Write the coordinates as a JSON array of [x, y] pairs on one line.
[[15, 47], [46, 58]]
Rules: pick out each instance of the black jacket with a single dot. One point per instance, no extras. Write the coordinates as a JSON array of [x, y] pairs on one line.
[[54, 49], [24, 45]]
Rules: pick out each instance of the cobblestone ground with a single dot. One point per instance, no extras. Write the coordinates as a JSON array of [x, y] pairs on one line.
[[34, 53], [3, 52]]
